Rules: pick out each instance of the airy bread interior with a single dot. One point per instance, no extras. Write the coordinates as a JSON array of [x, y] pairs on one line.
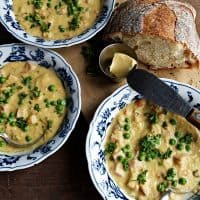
[[160, 53]]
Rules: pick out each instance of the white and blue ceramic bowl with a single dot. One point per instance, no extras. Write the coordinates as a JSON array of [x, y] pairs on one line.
[[49, 59], [7, 18], [98, 129]]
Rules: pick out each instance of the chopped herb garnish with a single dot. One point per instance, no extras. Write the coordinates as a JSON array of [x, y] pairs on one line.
[[61, 28], [162, 187], [27, 80], [142, 177], [49, 124], [167, 154], [171, 173], [152, 117], [37, 107], [22, 124], [21, 96], [37, 3], [35, 92]]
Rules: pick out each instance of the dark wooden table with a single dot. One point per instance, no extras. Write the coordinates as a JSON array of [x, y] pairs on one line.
[[63, 176]]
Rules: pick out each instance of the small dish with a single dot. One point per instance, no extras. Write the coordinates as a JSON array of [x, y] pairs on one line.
[[107, 54], [7, 18], [98, 129], [48, 59]]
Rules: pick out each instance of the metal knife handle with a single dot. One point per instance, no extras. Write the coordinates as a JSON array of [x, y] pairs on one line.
[[194, 118]]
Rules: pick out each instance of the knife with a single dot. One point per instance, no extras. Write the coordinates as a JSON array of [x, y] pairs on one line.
[[155, 90]]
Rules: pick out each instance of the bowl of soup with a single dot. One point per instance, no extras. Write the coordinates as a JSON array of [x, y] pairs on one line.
[[55, 23], [39, 98], [138, 150]]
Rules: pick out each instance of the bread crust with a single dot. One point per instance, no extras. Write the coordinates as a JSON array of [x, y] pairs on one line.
[[168, 19]]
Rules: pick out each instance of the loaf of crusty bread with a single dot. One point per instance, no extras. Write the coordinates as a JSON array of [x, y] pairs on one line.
[[162, 32]]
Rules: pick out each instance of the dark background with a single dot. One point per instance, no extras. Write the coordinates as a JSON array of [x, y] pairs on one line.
[[62, 176]]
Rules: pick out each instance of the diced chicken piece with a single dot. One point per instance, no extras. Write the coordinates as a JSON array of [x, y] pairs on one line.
[[22, 112], [33, 119], [181, 162], [132, 184], [155, 128], [47, 35], [62, 11], [29, 66], [119, 171], [12, 79], [144, 189]]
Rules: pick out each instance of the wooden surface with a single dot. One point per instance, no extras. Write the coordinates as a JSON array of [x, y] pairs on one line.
[[63, 176], [96, 89]]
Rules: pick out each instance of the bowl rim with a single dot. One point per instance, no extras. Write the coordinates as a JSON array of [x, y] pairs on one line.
[[95, 116], [67, 65], [78, 38]]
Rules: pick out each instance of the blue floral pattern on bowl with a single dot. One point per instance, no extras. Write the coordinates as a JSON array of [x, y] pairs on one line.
[[97, 133], [7, 18], [49, 59]]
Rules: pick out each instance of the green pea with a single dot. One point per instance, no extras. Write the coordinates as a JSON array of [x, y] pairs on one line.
[[2, 143], [28, 138], [26, 128], [173, 122], [164, 124], [182, 181], [127, 120], [52, 88], [177, 134], [126, 135], [11, 119], [13, 123], [2, 79], [3, 115], [174, 183], [127, 147], [129, 155], [180, 146], [12, 114], [142, 156], [126, 127], [59, 108], [61, 28], [172, 141], [53, 103], [119, 158], [187, 147]]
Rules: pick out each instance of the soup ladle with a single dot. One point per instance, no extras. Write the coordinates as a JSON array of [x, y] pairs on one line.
[[11, 142]]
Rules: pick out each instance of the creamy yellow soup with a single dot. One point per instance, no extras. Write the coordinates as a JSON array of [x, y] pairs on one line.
[[56, 19], [33, 102], [149, 150]]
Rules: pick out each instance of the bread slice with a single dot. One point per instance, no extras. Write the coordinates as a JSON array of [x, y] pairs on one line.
[[162, 32]]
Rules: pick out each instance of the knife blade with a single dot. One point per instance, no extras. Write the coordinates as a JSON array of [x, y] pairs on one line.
[[155, 90]]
